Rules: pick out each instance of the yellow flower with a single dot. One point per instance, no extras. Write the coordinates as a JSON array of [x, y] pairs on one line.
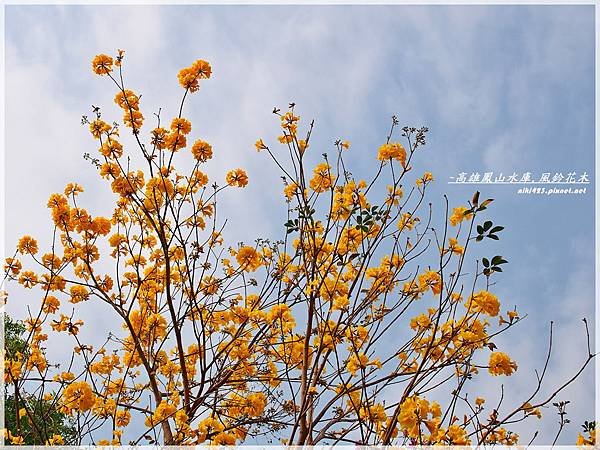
[[133, 119], [426, 178], [457, 435], [421, 321], [73, 189], [190, 76], [412, 411], [290, 190], [501, 364], [340, 303], [248, 258], [17, 440], [322, 178], [102, 64], [79, 294], [360, 361], [202, 151], [13, 266], [122, 418], [374, 414], [590, 440], [281, 316], [182, 125], [159, 138], [77, 396], [430, 279], [163, 412], [56, 439], [531, 411], [237, 178], [454, 247], [458, 215], [394, 150], [209, 285], [209, 427], [101, 225], [27, 244], [484, 302], [407, 221], [111, 149], [356, 362], [28, 279], [127, 99], [98, 128], [260, 145]]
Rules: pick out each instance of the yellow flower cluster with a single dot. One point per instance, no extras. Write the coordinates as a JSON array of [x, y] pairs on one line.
[[189, 78], [360, 361], [430, 280], [501, 364], [172, 278], [163, 412], [248, 258], [102, 64], [459, 214], [348, 197], [322, 179], [590, 440], [77, 396], [395, 150], [237, 178], [202, 150], [289, 124], [484, 302]]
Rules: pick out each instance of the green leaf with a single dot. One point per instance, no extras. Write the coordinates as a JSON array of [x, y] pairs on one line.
[[496, 229], [486, 262], [487, 225], [494, 237], [496, 259], [480, 229], [496, 269]]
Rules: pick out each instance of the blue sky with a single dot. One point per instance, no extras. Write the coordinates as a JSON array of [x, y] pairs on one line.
[[501, 88]]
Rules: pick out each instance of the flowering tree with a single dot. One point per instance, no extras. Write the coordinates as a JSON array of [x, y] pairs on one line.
[[310, 339]]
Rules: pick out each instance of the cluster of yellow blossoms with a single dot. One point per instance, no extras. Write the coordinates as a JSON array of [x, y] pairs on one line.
[[216, 350], [395, 150]]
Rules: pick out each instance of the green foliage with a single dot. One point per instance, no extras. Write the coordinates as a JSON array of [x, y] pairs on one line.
[[42, 420], [13, 340], [493, 265]]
